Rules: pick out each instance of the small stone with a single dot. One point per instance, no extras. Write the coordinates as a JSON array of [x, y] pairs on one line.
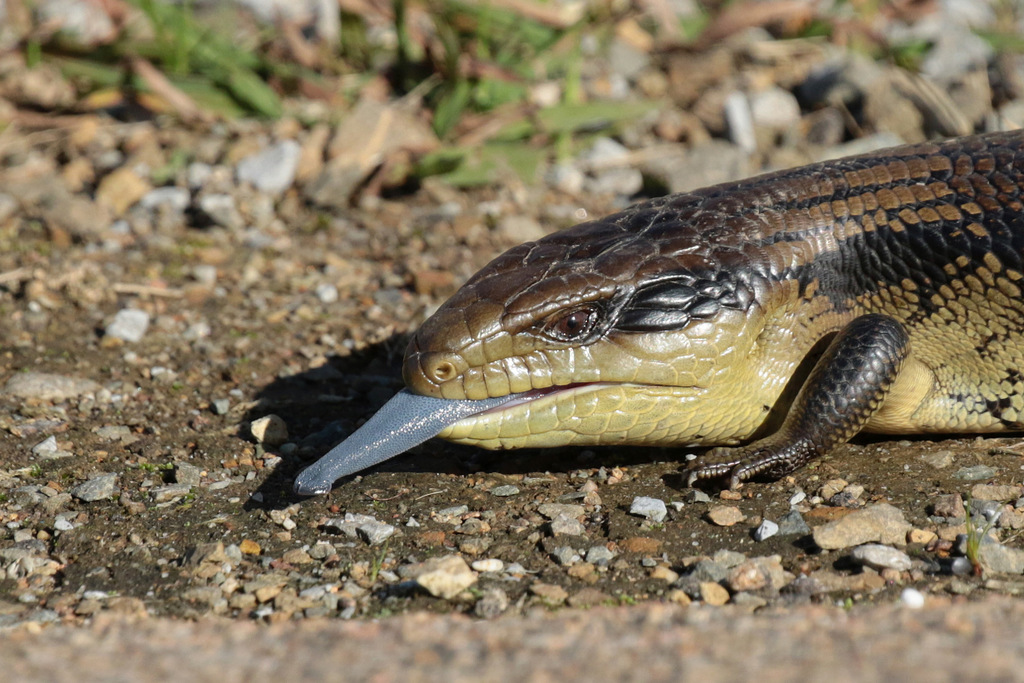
[[130, 325], [757, 573], [990, 510], [266, 588], [599, 555], [652, 508], [505, 491], [881, 523], [220, 406], [775, 109], [740, 122], [164, 494], [921, 536], [473, 527], [446, 577], [120, 189], [939, 460], [28, 495], [474, 545], [49, 387], [269, 430], [713, 594], [565, 177], [100, 487], [588, 597], [297, 556], [491, 604], [271, 170], [961, 566], [696, 496], [175, 199], [46, 447], [678, 597], [729, 558], [1010, 519], [552, 510], [912, 598], [766, 530], [197, 174], [374, 532], [249, 547], [605, 152], [797, 498], [832, 487], [121, 433], [451, 514], [206, 559], [748, 601], [569, 526], [661, 573], [975, 473], [551, 594], [640, 545], [322, 550], [881, 557], [326, 293], [220, 209], [708, 569], [950, 506], [725, 515], [995, 492], [488, 565], [1000, 559], [565, 556]]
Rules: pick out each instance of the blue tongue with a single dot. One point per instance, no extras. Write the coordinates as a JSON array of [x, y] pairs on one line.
[[405, 421]]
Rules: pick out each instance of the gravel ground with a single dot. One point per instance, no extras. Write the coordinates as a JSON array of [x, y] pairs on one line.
[[194, 313], [945, 641]]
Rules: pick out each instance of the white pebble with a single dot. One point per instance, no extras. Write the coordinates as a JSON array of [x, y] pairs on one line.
[[488, 565], [327, 293], [130, 325], [652, 508], [767, 529], [46, 446], [272, 169], [912, 598]]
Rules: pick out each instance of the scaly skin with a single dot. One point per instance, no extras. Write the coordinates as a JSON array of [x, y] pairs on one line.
[[695, 319]]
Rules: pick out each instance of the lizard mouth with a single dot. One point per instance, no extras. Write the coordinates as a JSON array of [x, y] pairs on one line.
[[532, 395]]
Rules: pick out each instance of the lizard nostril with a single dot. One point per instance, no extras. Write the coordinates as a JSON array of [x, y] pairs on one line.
[[436, 368], [443, 371]]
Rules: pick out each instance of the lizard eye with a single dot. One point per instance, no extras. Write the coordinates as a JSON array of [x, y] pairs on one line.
[[573, 325]]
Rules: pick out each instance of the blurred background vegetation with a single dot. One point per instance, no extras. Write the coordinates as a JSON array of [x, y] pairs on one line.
[[474, 71]]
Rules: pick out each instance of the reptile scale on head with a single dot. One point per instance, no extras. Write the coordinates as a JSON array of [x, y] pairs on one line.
[[775, 317]]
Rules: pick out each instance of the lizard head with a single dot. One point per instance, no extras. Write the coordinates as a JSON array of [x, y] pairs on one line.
[[600, 334]]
